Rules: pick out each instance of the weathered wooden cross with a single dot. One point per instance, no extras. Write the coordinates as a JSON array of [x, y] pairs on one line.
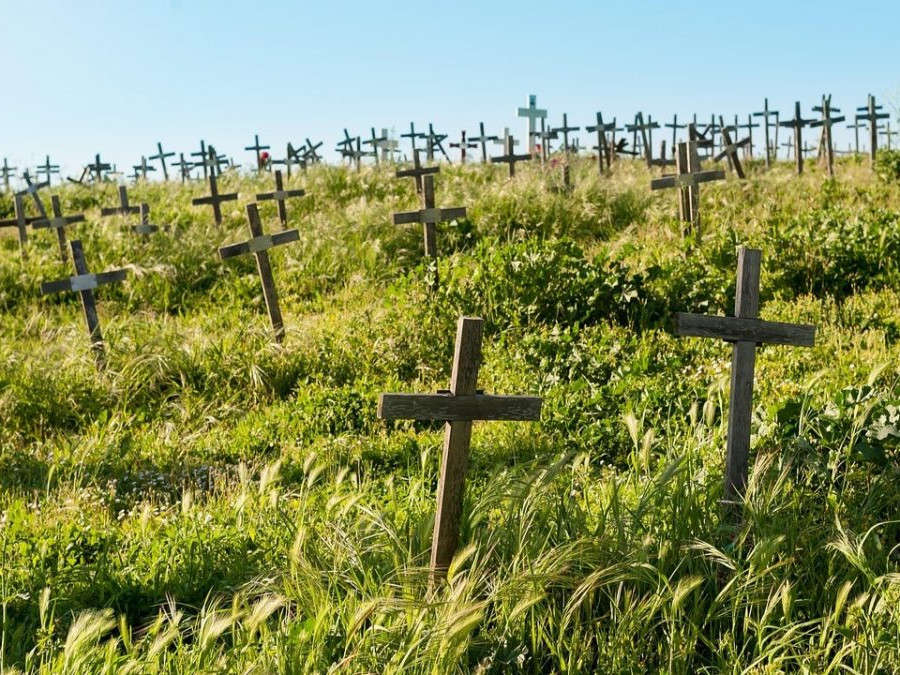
[[532, 113], [826, 123], [203, 154], [58, 222], [510, 158], [98, 167], [184, 166], [259, 245], [47, 169], [674, 126], [765, 113], [870, 114], [83, 283], [646, 131], [292, 157], [215, 199], [463, 145], [145, 228], [459, 407], [20, 222], [564, 130], [856, 126], [412, 136], [124, 209], [257, 148], [749, 126], [730, 150], [745, 331], [434, 140], [888, 134], [417, 171], [144, 168], [375, 141], [161, 156], [687, 178], [483, 139], [7, 171], [797, 125], [32, 189], [602, 147], [280, 195]]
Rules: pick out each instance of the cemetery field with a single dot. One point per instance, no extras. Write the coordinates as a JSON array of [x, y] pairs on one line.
[[212, 501]]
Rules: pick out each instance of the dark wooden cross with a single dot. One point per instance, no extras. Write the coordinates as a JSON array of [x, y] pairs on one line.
[[309, 152], [532, 113], [47, 169], [256, 147], [203, 154], [646, 131], [870, 114], [259, 245], [58, 222], [826, 123], [98, 167], [184, 166], [856, 126], [687, 178], [417, 172], [459, 407], [161, 156], [7, 171], [749, 126], [84, 283], [20, 222], [888, 134], [797, 125], [430, 216], [745, 331], [145, 228], [674, 126], [483, 139], [280, 195], [215, 199], [602, 147], [730, 150], [412, 136], [375, 141], [463, 145], [124, 209], [143, 168], [32, 189], [564, 130], [545, 135], [434, 140], [765, 113], [292, 157], [510, 158]]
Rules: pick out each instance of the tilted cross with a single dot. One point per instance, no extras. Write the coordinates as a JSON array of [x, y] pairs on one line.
[[745, 331], [259, 246], [871, 115], [215, 199], [730, 150], [124, 209], [417, 172], [309, 152], [602, 147], [483, 139], [797, 125], [826, 123], [687, 178], [58, 222], [7, 171], [765, 113], [98, 167], [510, 158], [412, 136], [459, 407], [532, 113], [83, 283], [47, 169], [430, 216], [463, 145], [256, 147], [32, 189], [434, 140], [279, 195], [161, 156], [564, 130], [646, 131]]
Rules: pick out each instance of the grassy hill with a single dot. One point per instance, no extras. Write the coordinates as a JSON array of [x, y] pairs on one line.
[[214, 502]]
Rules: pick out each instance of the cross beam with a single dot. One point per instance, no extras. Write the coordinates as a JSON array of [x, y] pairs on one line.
[[47, 169], [259, 246], [459, 407], [98, 167], [58, 222], [463, 145], [417, 172], [745, 331], [84, 283], [215, 199], [279, 195]]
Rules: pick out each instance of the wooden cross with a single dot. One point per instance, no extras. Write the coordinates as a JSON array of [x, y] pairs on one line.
[[856, 126], [279, 195], [83, 283], [564, 130], [463, 145], [256, 147], [730, 150], [532, 113], [259, 246], [203, 154], [430, 216], [888, 134], [47, 169], [483, 139], [674, 126], [375, 142], [745, 331], [32, 189], [510, 158], [412, 136], [749, 126], [871, 115], [309, 152], [144, 168], [646, 131], [145, 228], [161, 156], [602, 146], [292, 157], [545, 135], [687, 178], [459, 407], [7, 171], [434, 140], [20, 222], [215, 199], [797, 125], [124, 209], [765, 113], [417, 172], [98, 167], [390, 147], [58, 222], [826, 123], [184, 167]]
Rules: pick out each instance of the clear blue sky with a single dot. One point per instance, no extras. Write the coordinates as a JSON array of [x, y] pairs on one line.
[[116, 76]]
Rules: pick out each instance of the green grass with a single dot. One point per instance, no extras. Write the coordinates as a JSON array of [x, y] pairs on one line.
[[213, 502]]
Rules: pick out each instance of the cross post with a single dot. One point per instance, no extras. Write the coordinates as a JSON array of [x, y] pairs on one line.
[[256, 147]]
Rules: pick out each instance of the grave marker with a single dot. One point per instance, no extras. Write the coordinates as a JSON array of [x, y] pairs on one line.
[[532, 113], [602, 147], [434, 140], [58, 222], [765, 114], [826, 123], [203, 154], [7, 171], [412, 136], [145, 228], [47, 169], [259, 246], [856, 126], [749, 126], [730, 150], [184, 167], [32, 189], [417, 172], [462, 146], [144, 168], [83, 283], [871, 115], [310, 154], [98, 167], [483, 139], [161, 156], [674, 126], [280, 195], [256, 147], [20, 222], [745, 331], [564, 130], [646, 131], [124, 209], [459, 407], [215, 199], [510, 158], [797, 125]]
